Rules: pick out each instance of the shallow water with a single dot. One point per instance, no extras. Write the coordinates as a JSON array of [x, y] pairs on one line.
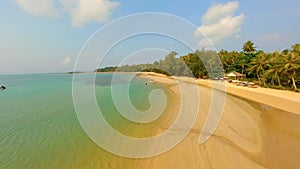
[[39, 127]]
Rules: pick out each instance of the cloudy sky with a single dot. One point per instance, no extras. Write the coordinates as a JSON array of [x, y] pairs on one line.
[[47, 35]]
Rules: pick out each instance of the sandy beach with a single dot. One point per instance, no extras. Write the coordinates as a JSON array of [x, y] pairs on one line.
[[259, 129]]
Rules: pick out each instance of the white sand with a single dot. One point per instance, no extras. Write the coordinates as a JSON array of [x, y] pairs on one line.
[[250, 135]]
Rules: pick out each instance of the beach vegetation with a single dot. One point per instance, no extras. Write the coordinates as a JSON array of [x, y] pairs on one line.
[[279, 70]]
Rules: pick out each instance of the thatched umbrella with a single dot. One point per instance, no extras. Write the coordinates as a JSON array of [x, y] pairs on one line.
[[235, 75]]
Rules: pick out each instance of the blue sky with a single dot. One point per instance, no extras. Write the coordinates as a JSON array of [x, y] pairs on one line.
[[46, 35]]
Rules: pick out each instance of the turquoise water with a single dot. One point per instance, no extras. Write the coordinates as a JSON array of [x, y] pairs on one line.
[[39, 128]]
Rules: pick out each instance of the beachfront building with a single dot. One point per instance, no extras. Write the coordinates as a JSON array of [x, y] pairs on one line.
[[235, 75]]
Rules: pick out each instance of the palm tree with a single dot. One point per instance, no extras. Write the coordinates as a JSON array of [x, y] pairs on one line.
[[275, 69], [259, 63], [290, 63], [248, 54], [296, 48], [274, 74], [249, 47], [228, 58]]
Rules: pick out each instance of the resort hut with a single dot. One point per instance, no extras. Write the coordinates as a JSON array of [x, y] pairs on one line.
[[235, 75]]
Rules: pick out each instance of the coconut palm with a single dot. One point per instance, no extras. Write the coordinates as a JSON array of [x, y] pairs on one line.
[[249, 47], [259, 63], [274, 74], [290, 64], [245, 57], [296, 48], [275, 69], [228, 58]]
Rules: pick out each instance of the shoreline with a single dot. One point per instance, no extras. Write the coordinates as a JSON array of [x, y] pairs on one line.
[[281, 99], [249, 134]]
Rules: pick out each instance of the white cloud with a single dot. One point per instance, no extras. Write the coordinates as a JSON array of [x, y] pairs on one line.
[[81, 12], [220, 23], [218, 11], [66, 60], [39, 7]]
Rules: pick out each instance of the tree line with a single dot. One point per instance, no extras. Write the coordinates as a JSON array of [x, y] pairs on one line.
[[268, 69]]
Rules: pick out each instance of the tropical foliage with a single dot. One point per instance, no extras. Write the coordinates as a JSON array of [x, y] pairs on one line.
[[274, 69]]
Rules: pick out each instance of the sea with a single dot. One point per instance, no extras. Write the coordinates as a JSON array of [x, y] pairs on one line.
[[39, 128]]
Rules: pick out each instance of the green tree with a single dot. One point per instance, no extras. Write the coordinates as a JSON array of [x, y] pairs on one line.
[[290, 63], [296, 49], [242, 62], [170, 63], [228, 59], [249, 47], [211, 63], [247, 55], [275, 69], [259, 64], [194, 63]]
